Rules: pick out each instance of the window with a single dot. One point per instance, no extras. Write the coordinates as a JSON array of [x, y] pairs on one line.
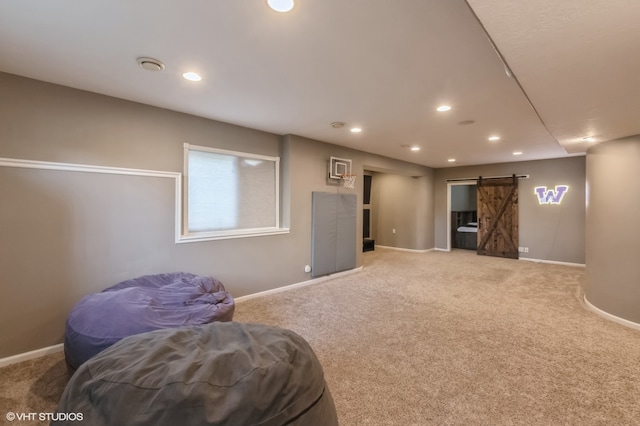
[[230, 194]]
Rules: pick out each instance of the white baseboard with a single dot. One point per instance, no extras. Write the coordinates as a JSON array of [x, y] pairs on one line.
[[26, 356], [611, 317], [297, 285], [14, 359], [552, 262], [404, 249]]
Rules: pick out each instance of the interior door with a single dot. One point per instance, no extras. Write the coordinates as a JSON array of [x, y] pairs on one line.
[[498, 217]]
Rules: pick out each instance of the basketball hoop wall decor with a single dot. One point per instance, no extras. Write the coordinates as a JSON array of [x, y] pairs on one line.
[[340, 172], [339, 167]]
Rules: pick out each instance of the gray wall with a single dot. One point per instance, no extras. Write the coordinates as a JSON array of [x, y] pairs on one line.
[[404, 204], [613, 234], [59, 241], [308, 174], [551, 232]]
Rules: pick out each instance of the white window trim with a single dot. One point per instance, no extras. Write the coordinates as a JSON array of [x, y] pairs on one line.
[[186, 237]]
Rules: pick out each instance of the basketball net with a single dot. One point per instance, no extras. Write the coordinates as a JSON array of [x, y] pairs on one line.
[[348, 181]]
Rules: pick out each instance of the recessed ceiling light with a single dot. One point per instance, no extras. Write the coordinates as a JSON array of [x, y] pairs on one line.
[[466, 122], [517, 153], [338, 124], [280, 5], [150, 64], [356, 130], [494, 138], [192, 76], [443, 108], [451, 160], [415, 148], [589, 139]]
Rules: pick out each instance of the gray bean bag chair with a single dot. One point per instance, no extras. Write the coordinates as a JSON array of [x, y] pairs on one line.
[[142, 304], [216, 374]]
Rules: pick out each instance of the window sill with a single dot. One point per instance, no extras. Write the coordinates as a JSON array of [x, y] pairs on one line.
[[226, 235]]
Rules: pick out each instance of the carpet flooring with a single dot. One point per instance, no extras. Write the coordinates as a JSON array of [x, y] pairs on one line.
[[437, 339]]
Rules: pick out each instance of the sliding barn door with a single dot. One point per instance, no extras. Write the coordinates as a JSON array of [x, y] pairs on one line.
[[498, 217]]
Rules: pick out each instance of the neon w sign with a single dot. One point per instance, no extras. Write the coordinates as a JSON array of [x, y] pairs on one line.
[[551, 196]]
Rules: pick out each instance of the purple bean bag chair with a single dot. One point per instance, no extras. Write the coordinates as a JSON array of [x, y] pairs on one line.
[[139, 305]]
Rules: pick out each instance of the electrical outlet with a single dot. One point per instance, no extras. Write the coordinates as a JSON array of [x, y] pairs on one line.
[[393, 230], [526, 249], [523, 249]]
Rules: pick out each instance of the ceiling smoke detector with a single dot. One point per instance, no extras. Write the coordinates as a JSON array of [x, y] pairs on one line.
[[150, 64]]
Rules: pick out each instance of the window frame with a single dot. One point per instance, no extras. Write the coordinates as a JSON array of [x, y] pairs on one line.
[[186, 236]]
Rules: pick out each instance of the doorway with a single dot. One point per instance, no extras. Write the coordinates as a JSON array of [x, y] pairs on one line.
[[368, 242], [462, 215], [491, 228]]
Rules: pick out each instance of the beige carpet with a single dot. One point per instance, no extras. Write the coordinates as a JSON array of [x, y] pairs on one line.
[[33, 386], [438, 339]]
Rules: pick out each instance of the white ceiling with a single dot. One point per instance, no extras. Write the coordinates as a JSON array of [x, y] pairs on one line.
[[377, 64]]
